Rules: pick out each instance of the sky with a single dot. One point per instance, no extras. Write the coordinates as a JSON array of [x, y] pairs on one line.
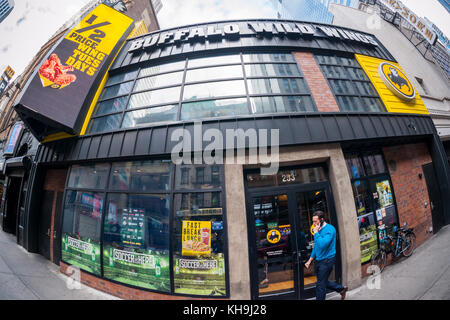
[[33, 22]]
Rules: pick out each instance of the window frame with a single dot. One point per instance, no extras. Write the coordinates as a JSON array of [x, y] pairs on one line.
[[170, 194]]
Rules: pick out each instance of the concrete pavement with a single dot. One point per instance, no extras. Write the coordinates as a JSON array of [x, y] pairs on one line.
[[28, 276], [423, 276]]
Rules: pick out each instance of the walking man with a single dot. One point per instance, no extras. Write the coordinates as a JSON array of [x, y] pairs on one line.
[[324, 252]]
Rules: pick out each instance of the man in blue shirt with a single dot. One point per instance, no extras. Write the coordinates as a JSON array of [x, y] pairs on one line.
[[324, 252]]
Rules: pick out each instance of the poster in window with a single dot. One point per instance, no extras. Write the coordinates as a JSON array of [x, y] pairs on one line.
[[81, 252], [196, 238], [384, 193]]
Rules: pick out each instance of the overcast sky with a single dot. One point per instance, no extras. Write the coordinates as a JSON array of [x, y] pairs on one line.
[[33, 22]]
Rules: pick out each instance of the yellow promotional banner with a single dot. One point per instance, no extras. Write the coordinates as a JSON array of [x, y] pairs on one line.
[[59, 94], [392, 84], [196, 238]]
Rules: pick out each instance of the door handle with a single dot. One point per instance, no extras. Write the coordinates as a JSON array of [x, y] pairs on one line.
[[48, 232], [54, 234]]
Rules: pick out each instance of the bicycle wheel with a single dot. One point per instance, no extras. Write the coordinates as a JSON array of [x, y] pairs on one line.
[[379, 260], [409, 245]]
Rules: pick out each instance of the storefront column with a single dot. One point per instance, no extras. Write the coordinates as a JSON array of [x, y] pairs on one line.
[[239, 268]]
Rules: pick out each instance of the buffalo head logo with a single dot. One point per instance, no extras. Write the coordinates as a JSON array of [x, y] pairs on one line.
[[398, 79]]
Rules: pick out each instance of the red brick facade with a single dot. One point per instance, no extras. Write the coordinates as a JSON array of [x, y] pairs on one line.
[[317, 83], [121, 291], [411, 193]]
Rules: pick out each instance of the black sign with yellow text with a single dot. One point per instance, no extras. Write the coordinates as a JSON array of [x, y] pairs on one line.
[[58, 95]]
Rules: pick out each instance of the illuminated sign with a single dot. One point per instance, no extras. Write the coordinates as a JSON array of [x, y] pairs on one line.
[[58, 95], [14, 136], [396, 81]]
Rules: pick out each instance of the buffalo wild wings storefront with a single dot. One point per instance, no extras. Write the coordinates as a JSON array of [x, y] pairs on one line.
[[129, 217]]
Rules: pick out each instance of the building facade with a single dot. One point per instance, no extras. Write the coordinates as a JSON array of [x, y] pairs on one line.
[[140, 224], [6, 6]]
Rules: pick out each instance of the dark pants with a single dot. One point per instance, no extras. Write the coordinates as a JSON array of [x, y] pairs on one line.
[[323, 271]]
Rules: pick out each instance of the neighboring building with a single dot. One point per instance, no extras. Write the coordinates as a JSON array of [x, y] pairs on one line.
[[6, 6], [426, 65], [157, 5], [14, 165], [309, 10], [141, 226], [445, 4]]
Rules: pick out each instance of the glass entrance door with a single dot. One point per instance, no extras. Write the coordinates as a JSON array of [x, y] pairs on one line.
[[282, 237]]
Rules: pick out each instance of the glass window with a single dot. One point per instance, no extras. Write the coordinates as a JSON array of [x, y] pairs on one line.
[[116, 90], [272, 70], [373, 104], [198, 256], [365, 88], [268, 57], [274, 86], [282, 104], [385, 211], [104, 124], [209, 61], [148, 98], [333, 71], [121, 77], [357, 74], [214, 73], [374, 164], [342, 87], [214, 108], [214, 89], [197, 177], [82, 229], [173, 66], [136, 240], [140, 176], [148, 116], [161, 80], [347, 103], [354, 166], [110, 106], [92, 176]]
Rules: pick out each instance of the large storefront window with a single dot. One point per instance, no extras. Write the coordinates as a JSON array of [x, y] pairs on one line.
[[374, 199], [117, 220], [199, 239], [206, 87]]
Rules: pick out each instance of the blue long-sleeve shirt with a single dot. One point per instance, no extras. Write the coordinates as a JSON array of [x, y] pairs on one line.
[[324, 243]]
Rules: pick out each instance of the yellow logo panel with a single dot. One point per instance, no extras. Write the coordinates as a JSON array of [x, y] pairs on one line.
[[393, 86]]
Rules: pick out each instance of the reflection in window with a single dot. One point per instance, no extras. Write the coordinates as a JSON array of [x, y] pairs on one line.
[[177, 65], [268, 57], [197, 177], [117, 90], [282, 104], [144, 117], [161, 80], [154, 97], [140, 176], [214, 73], [82, 229], [272, 70], [104, 124], [136, 240], [271, 86], [214, 108], [198, 251], [110, 106], [121, 77], [214, 89], [88, 176], [209, 61]]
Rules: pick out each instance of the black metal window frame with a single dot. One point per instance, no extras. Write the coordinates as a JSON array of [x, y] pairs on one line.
[[179, 102], [171, 193], [353, 64], [366, 179]]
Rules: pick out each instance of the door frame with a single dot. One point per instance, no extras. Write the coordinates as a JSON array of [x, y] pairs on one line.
[[250, 194]]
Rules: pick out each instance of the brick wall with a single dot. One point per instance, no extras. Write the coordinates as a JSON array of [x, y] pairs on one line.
[[121, 291], [317, 83], [411, 192]]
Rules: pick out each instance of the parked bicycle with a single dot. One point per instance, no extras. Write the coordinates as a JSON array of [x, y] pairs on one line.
[[401, 242]]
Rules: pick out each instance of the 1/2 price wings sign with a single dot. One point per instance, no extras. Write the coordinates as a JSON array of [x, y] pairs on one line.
[[57, 96]]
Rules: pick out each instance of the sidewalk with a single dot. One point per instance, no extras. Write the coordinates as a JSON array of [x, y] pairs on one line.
[[29, 276], [423, 276]]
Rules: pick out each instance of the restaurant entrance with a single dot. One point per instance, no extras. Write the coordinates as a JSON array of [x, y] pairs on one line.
[[280, 234]]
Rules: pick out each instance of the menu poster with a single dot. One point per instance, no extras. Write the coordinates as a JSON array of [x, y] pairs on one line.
[[132, 229], [196, 238], [384, 193]]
